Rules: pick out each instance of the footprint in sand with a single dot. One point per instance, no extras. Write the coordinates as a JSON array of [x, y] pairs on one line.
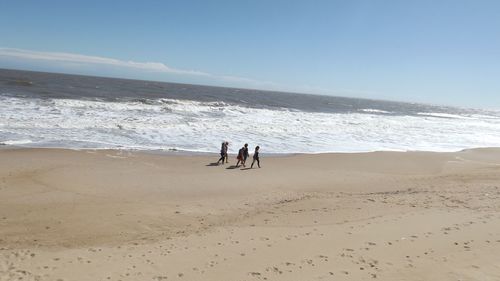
[[255, 274], [323, 258], [274, 269]]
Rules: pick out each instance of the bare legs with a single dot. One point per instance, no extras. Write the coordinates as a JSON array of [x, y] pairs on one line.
[[222, 159], [258, 162]]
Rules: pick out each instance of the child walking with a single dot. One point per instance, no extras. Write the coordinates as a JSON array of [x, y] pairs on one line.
[[256, 157], [223, 152], [242, 155]]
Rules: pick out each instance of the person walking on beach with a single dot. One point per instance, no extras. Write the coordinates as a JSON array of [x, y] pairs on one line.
[[256, 157], [241, 157], [245, 153], [223, 152]]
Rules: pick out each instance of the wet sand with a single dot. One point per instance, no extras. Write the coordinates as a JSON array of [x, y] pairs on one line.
[[120, 215]]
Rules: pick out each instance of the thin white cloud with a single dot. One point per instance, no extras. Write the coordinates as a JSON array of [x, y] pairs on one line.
[[77, 58]]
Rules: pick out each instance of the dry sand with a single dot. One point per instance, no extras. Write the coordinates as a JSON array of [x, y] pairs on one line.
[[118, 215]]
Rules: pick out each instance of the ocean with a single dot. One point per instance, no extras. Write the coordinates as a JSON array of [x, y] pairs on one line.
[[72, 111]]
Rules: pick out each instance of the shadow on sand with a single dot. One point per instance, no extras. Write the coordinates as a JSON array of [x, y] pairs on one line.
[[232, 167]]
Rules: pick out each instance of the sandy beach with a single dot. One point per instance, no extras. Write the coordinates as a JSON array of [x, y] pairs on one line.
[[121, 215]]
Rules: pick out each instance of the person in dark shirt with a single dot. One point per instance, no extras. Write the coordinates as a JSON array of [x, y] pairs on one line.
[[256, 157], [242, 155], [223, 152], [245, 153]]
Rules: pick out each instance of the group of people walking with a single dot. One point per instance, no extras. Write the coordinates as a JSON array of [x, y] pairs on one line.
[[242, 155]]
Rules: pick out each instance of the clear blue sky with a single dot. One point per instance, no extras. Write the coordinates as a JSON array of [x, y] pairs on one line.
[[444, 52]]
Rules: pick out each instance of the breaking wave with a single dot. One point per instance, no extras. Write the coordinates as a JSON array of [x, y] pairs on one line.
[[171, 124]]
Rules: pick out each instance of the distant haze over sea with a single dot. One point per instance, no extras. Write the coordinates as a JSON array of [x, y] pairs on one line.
[[58, 110]]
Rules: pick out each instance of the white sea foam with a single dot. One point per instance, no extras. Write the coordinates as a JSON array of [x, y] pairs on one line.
[[201, 126], [16, 142], [371, 110], [443, 115]]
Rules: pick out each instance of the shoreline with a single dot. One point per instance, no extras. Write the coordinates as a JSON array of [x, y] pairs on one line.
[[174, 152], [121, 215]]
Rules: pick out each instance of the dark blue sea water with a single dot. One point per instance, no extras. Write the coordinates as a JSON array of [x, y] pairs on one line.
[[58, 110]]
